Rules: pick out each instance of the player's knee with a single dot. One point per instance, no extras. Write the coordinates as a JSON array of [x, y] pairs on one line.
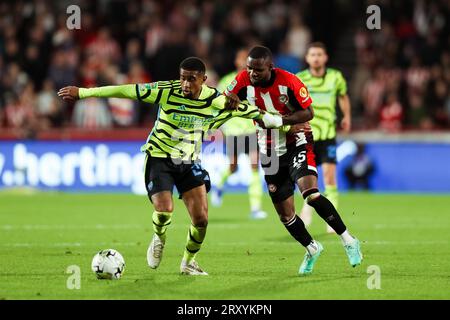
[[285, 218], [203, 210], [163, 206], [310, 194], [201, 222]]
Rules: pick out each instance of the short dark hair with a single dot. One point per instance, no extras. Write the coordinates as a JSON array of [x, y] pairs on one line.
[[260, 52], [193, 64], [317, 44]]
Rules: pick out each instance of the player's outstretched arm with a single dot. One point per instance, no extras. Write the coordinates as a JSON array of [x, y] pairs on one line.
[[72, 93]]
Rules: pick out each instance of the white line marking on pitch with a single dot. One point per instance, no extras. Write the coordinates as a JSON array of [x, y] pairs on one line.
[[9, 227], [242, 243]]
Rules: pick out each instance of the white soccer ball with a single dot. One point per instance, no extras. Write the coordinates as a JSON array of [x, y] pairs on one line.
[[108, 264]]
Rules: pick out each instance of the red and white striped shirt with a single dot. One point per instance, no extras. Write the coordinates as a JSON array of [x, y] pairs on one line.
[[283, 95]]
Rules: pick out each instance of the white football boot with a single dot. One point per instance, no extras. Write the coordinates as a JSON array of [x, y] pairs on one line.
[[191, 269], [155, 251]]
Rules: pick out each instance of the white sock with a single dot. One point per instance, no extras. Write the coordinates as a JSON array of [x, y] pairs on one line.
[[346, 238], [312, 248]]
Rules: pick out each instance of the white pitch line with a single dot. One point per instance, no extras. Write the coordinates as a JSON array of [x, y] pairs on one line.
[[212, 225], [409, 226], [211, 243], [330, 242], [67, 244], [9, 227]]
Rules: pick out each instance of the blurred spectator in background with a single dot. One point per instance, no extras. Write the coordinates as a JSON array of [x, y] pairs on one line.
[[48, 107], [298, 36], [359, 170], [92, 113], [62, 72], [147, 39], [405, 66], [20, 113], [418, 116], [391, 114]]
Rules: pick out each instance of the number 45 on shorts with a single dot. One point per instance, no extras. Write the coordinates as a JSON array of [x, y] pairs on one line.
[[299, 159]]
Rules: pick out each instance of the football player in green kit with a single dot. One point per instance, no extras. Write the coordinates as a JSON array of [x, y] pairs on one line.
[[325, 85], [240, 137]]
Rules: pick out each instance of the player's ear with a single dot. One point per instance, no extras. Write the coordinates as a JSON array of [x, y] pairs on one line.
[[205, 77], [271, 66]]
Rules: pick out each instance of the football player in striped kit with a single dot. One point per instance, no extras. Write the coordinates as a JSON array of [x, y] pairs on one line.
[[288, 158]]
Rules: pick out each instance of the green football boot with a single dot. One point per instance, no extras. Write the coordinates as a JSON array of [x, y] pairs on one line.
[[353, 252], [308, 261]]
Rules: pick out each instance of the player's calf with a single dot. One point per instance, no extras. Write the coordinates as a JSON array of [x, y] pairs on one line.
[[325, 209]]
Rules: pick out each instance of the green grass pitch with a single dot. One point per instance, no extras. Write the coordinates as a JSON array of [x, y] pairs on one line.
[[406, 236]]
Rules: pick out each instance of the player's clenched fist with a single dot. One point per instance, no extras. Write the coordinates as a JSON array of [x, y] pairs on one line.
[[232, 102], [69, 93]]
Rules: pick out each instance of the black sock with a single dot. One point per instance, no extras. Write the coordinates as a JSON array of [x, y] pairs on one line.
[[328, 212], [297, 229]]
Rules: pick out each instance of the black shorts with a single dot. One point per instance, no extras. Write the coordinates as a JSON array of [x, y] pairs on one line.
[[162, 174], [297, 162], [325, 151], [235, 145]]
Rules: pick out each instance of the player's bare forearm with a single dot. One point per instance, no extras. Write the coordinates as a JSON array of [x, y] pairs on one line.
[[344, 104], [299, 116]]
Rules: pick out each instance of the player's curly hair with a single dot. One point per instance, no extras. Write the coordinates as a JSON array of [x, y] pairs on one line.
[[193, 64]]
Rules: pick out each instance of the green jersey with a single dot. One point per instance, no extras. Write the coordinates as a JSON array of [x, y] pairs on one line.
[[324, 91], [236, 126], [182, 122]]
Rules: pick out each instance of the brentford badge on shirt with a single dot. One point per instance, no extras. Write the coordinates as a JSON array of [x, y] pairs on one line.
[[303, 92], [283, 98]]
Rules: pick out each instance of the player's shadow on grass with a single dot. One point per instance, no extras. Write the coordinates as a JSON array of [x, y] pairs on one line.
[[278, 287], [161, 286], [169, 285]]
